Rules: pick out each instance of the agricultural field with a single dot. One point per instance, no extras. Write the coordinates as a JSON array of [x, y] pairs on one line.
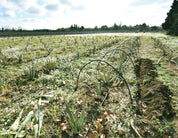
[[99, 85]]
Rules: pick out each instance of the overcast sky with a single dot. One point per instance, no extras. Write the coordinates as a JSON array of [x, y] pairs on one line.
[[53, 14]]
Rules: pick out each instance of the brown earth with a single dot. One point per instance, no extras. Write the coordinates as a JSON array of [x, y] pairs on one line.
[[153, 100], [153, 97], [145, 69]]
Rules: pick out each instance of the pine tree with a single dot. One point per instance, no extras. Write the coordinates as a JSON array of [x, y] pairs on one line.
[[171, 21]]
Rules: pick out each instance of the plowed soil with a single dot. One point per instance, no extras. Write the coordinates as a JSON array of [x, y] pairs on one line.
[[154, 98]]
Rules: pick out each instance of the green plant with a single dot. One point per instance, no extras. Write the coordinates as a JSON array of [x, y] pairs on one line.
[[94, 49], [3, 83], [160, 132], [120, 61], [170, 126], [78, 55], [158, 44], [49, 65], [76, 122], [47, 48], [98, 89], [146, 81], [34, 118], [106, 78], [31, 71], [20, 57], [4, 60], [26, 47]]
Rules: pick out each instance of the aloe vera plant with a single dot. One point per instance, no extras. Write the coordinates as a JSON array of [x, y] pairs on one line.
[[76, 122]]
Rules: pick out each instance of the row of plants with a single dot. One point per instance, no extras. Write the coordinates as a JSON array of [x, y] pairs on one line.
[[101, 105], [106, 78], [167, 51], [38, 48], [31, 71]]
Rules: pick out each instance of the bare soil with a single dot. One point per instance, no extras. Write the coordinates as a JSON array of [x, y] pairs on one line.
[[153, 97]]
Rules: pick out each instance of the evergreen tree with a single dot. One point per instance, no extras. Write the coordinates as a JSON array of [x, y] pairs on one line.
[[171, 21]]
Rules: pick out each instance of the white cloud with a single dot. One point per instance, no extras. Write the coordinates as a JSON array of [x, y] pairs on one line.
[[152, 14], [9, 13], [30, 20], [17, 2], [100, 12], [52, 7], [33, 23], [33, 10], [89, 13], [65, 2], [78, 7]]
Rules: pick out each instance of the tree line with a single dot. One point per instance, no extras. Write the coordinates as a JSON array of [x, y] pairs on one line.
[[122, 28], [74, 28]]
